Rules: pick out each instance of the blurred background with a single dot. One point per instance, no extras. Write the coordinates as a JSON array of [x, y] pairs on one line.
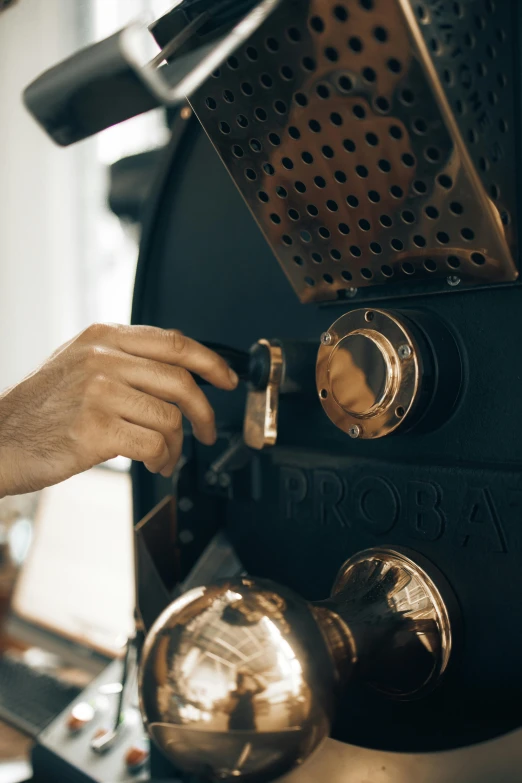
[[66, 260]]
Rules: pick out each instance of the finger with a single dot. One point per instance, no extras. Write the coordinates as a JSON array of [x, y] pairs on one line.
[[139, 444], [171, 384], [172, 347], [151, 413]]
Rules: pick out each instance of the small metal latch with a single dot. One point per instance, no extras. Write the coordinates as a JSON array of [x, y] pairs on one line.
[[260, 425]]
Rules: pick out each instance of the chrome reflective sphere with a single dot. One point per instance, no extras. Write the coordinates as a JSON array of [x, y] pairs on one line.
[[237, 680]]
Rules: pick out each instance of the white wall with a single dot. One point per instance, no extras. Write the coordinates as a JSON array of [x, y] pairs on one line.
[[39, 273]]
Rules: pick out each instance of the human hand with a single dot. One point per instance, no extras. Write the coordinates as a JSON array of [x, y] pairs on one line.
[[107, 393]]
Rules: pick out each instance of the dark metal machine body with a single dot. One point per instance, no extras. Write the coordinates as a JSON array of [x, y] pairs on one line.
[[375, 143]]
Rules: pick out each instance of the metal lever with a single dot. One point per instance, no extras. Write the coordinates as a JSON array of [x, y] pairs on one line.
[[119, 78], [106, 738]]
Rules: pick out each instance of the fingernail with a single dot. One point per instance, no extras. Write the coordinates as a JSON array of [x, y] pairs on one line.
[[234, 378]]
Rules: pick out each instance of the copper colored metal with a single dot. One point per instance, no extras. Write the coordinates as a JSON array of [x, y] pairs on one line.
[[334, 122]]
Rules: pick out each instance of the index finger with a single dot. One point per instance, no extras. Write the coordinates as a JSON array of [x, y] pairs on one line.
[[171, 346]]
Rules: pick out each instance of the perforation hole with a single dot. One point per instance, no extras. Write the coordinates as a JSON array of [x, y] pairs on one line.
[[345, 83], [324, 233], [280, 107], [306, 236], [301, 99], [317, 258], [349, 145], [453, 262], [293, 34], [233, 63], [238, 151], [407, 97], [420, 126], [266, 80], [408, 216], [274, 139], [310, 281], [317, 24], [397, 244], [300, 186], [364, 224], [355, 250], [384, 165], [394, 65], [268, 169], [320, 182], [314, 126], [432, 212], [264, 197], [396, 191], [251, 175], [408, 159], [419, 186], [380, 34], [344, 229], [323, 91], [346, 275], [382, 104], [430, 265], [312, 210], [275, 218], [331, 54], [252, 53], [375, 248], [281, 192], [468, 234], [340, 13], [247, 89], [494, 191], [340, 176], [335, 254], [432, 154], [456, 207], [408, 268], [386, 221], [298, 260], [352, 201], [332, 205], [288, 163], [294, 132], [442, 237], [366, 273], [386, 270], [216, 74], [307, 157], [374, 196], [445, 181], [261, 114], [211, 104], [225, 128], [328, 279], [228, 95], [287, 240], [242, 121], [361, 171], [369, 74], [372, 139], [355, 44], [395, 132], [478, 259], [272, 45], [286, 73], [336, 118], [293, 214]]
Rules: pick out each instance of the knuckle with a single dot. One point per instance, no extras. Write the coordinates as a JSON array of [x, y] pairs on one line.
[[95, 331], [178, 341], [183, 379], [174, 418], [156, 446], [99, 386], [93, 356]]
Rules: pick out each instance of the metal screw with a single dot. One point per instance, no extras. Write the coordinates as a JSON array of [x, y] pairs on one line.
[[326, 338], [355, 431], [185, 504], [211, 478], [404, 351], [453, 280], [351, 292], [186, 536], [224, 480], [186, 113]]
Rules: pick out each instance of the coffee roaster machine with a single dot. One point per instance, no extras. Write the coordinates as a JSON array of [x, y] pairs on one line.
[[337, 213]]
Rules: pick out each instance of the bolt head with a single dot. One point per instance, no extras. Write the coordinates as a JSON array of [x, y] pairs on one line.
[[326, 338], [185, 504], [224, 480], [211, 478], [355, 431], [351, 292], [453, 280], [404, 351]]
